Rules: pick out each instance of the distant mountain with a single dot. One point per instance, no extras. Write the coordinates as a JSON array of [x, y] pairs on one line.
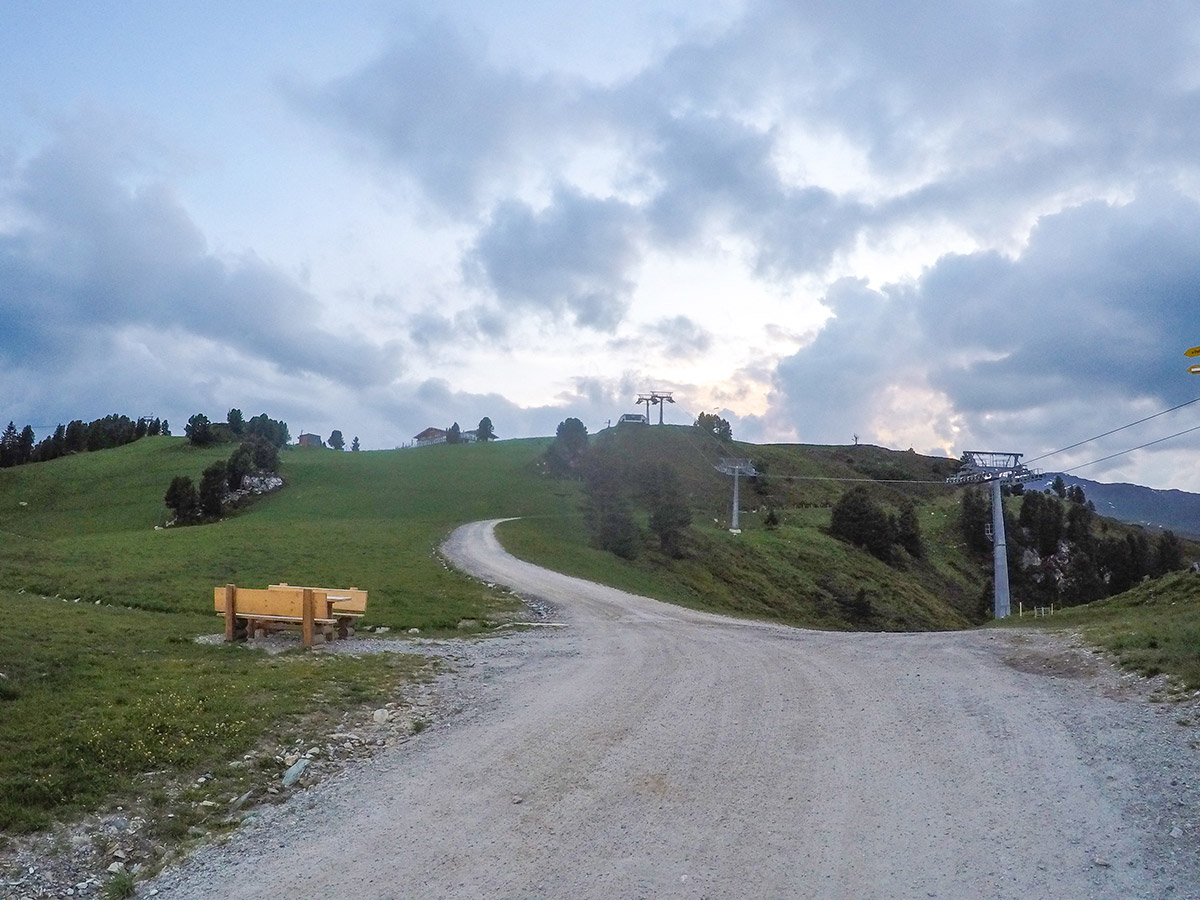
[[1178, 511]]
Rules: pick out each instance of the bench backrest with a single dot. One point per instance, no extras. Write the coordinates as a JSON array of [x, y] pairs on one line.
[[342, 601], [272, 602]]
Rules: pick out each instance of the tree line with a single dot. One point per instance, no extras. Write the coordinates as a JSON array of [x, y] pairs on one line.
[[18, 447], [617, 494], [202, 432], [1061, 552]]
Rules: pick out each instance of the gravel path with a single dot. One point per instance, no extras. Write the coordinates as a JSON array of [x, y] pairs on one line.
[[648, 751]]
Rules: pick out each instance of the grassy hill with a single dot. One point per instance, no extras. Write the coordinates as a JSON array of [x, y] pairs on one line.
[[796, 573], [374, 520], [102, 689], [368, 519], [1153, 628]]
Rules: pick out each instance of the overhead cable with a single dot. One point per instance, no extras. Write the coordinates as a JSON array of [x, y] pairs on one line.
[[1138, 447], [1114, 431]]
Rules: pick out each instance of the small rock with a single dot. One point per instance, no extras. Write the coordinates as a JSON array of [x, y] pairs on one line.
[[1098, 861], [120, 854], [380, 716], [382, 629], [517, 798], [241, 801], [294, 772], [207, 804], [1176, 831], [115, 869], [414, 631], [291, 759], [313, 751]]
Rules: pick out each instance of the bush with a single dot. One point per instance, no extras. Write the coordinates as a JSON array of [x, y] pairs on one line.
[[240, 464], [199, 430], [212, 489], [565, 456], [182, 499], [908, 532], [857, 518]]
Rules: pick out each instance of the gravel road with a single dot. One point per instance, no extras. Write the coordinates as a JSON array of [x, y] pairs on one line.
[[648, 751]]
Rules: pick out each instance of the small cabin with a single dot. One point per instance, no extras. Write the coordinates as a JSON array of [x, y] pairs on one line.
[[633, 419], [430, 436]]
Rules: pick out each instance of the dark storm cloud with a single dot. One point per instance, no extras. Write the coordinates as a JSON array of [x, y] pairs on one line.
[[1098, 303], [573, 258], [1093, 315], [95, 248]]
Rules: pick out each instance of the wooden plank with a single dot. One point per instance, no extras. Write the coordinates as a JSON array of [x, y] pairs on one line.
[[295, 620], [251, 601], [306, 627], [230, 612], [345, 601]]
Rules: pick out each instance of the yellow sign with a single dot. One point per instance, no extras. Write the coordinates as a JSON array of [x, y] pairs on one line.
[[1195, 370], [1195, 351]]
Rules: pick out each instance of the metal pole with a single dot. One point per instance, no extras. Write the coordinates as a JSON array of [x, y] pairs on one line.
[[734, 518], [999, 554]]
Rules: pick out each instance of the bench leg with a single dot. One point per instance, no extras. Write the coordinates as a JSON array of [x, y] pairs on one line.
[[306, 625], [230, 613]]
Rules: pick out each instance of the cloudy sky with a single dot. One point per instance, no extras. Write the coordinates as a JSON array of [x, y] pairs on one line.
[[938, 225]]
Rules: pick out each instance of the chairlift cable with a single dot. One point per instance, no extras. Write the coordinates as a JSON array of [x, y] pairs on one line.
[[1114, 431], [1138, 447]]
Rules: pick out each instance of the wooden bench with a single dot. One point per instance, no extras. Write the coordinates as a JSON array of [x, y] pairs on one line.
[[318, 611]]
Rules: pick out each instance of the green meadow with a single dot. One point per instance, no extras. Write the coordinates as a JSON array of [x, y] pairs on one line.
[[1153, 629]]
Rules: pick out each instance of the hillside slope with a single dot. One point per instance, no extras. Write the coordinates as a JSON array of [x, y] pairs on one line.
[[795, 573], [87, 529], [372, 520]]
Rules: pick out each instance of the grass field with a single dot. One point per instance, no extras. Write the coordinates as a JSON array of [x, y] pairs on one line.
[[98, 692], [371, 520], [1152, 629], [97, 701]]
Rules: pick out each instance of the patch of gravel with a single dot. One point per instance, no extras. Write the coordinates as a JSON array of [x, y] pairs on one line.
[[1149, 752]]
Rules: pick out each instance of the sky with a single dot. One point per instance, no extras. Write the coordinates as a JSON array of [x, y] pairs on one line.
[[940, 225]]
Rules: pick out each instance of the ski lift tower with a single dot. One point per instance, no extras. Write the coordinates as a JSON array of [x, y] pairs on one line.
[[661, 398], [647, 399], [998, 469], [736, 468]]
